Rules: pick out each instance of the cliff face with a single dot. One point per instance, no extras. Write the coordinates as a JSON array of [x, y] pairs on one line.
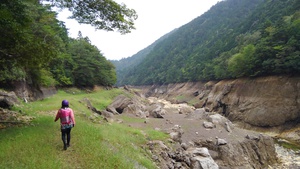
[[30, 93], [265, 102]]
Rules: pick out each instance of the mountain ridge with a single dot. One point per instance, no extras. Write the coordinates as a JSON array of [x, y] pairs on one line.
[[215, 44]]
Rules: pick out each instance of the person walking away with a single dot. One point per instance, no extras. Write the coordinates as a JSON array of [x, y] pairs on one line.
[[67, 122]]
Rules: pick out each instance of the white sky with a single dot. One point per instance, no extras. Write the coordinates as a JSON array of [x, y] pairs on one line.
[[155, 19]]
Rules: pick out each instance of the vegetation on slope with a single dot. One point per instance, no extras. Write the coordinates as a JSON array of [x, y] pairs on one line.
[[235, 38], [35, 47], [125, 64], [93, 144]]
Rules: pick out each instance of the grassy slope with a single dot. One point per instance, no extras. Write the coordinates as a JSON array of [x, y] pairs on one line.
[[93, 145]]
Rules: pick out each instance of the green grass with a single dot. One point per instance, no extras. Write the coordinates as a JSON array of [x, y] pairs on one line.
[[288, 145], [93, 145], [30, 146]]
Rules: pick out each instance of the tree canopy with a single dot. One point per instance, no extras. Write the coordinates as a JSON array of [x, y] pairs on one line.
[[35, 47], [102, 14]]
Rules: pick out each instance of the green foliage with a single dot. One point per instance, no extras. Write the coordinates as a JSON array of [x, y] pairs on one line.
[[10, 71], [30, 147], [235, 38], [46, 79], [91, 67], [125, 65], [107, 15], [61, 69], [29, 40], [35, 46], [240, 64], [39, 145], [12, 22]]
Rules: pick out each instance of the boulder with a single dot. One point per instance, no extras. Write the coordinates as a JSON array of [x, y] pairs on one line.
[[119, 104], [249, 153], [185, 109], [8, 99], [208, 125], [217, 119], [176, 133], [156, 110], [201, 159], [137, 109], [107, 114], [221, 142], [199, 113]]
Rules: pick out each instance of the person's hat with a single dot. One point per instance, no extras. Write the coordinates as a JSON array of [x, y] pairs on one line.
[[65, 103]]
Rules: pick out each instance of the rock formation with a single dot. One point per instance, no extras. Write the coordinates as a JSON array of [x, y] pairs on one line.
[[8, 99], [207, 139], [266, 102], [28, 92]]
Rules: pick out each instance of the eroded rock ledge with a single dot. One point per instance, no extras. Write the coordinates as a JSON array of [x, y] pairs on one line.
[[206, 154], [208, 135], [200, 138], [266, 103]]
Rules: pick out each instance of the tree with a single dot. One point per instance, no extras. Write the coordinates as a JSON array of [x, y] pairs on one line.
[[29, 40], [12, 22], [91, 68], [34, 45], [102, 14], [241, 63]]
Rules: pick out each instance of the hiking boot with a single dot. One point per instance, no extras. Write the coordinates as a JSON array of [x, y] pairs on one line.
[[65, 147], [68, 145]]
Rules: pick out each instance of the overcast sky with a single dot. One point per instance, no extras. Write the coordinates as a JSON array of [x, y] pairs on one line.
[[155, 19]]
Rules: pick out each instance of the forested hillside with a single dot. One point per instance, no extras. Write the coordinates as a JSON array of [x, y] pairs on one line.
[[235, 38], [35, 47], [124, 65]]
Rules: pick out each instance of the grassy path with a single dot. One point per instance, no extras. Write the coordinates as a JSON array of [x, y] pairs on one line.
[[93, 145], [29, 146]]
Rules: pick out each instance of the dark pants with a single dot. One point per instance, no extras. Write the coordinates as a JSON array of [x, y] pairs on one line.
[[65, 132]]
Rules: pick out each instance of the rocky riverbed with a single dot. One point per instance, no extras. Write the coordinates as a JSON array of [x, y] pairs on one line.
[[288, 158], [201, 138]]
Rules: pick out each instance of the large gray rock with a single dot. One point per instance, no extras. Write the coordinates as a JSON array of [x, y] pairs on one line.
[[185, 109], [176, 133], [8, 99], [199, 113], [156, 110], [217, 119], [208, 125], [248, 154], [201, 159], [137, 106], [119, 104], [136, 109]]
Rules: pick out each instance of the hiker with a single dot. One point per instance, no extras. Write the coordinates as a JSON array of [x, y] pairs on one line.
[[67, 121]]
